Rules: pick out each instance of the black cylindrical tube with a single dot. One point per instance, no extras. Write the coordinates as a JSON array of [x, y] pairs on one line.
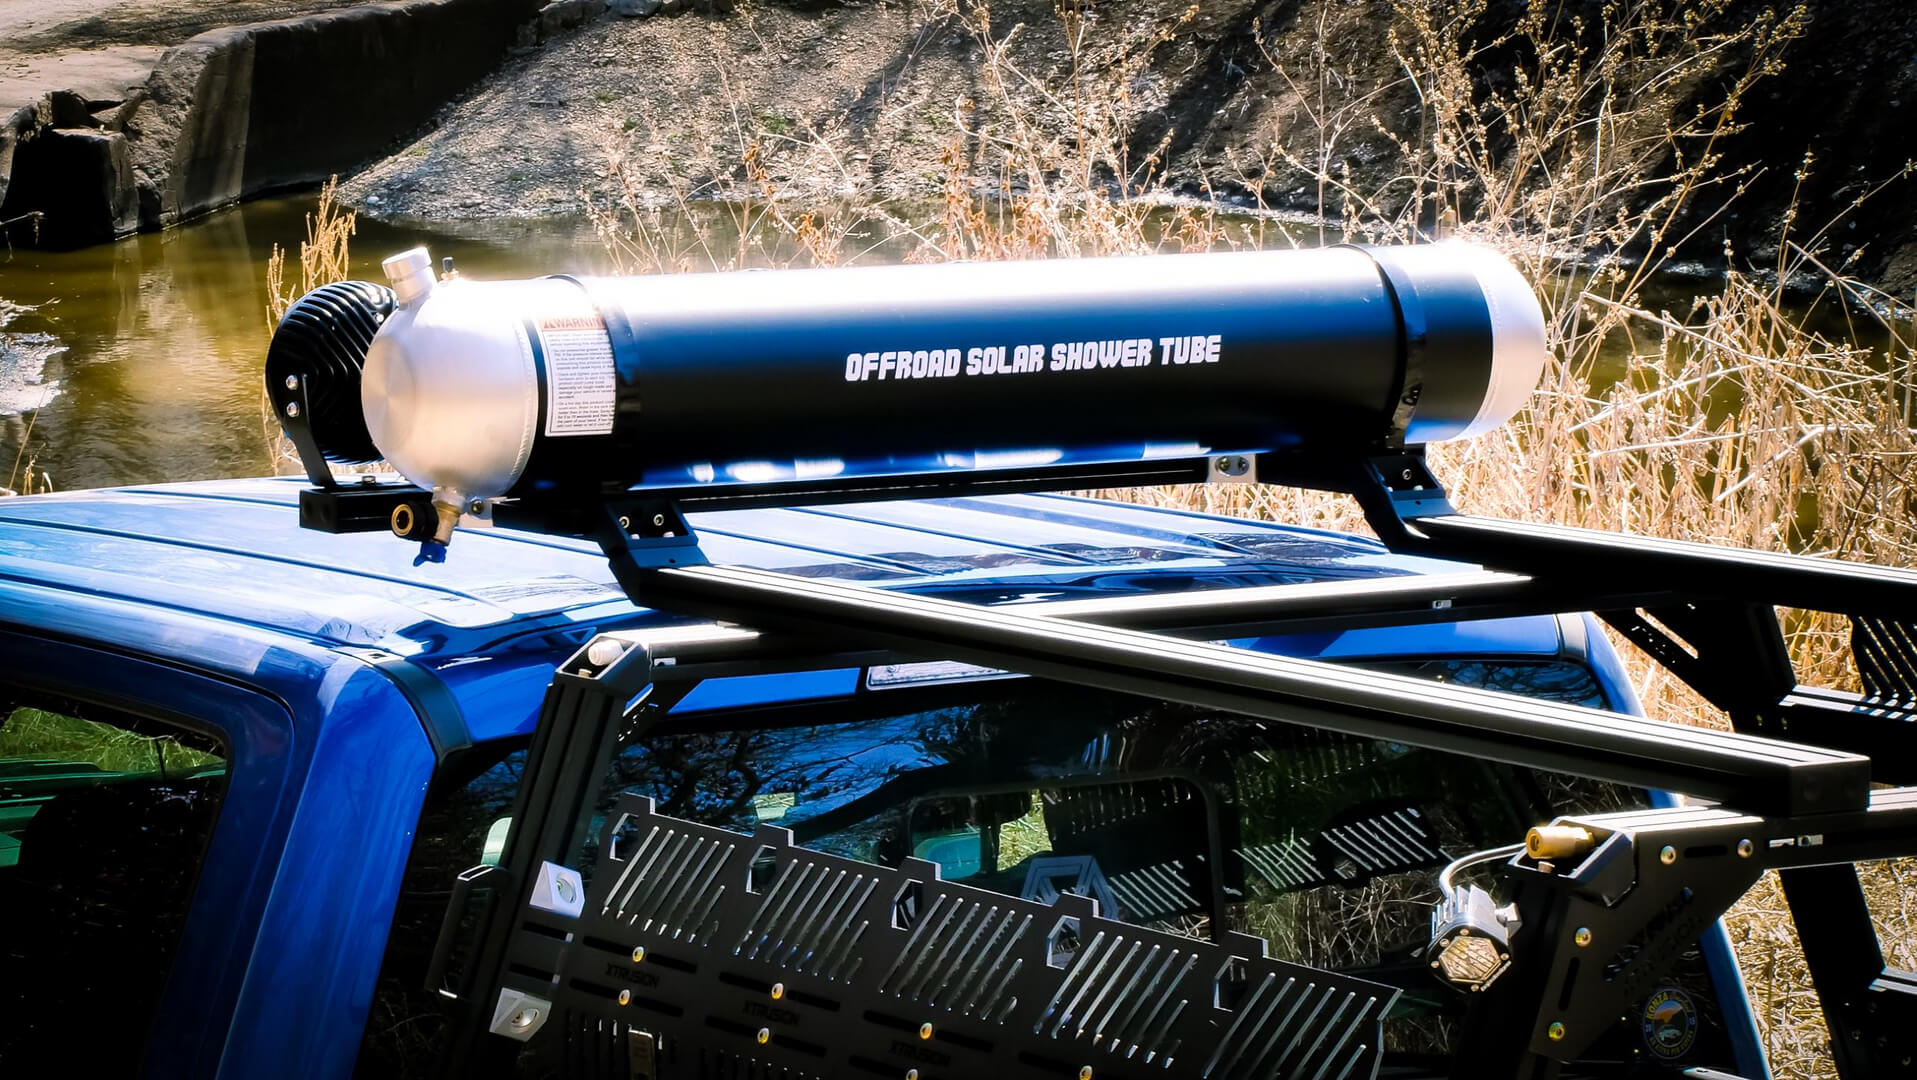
[[521, 387]]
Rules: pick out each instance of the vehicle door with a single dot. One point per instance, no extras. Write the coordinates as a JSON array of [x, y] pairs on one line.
[[135, 805]]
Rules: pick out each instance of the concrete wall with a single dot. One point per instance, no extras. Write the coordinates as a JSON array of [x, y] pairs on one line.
[[12, 128], [243, 110]]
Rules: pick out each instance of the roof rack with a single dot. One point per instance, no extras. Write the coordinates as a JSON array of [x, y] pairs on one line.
[[1807, 807]]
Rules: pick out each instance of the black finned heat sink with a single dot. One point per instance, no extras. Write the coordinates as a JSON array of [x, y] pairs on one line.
[[322, 342]]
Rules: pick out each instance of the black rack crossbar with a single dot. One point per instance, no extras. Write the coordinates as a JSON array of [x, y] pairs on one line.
[[933, 485], [1881, 830], [1838, 720], [1326, 472], [1880, 730], [1670, 567], [712, 650], [1753, 774], [1341, 605], [1233, 612]]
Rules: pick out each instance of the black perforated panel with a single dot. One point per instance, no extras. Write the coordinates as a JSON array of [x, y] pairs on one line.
[[779, 961]]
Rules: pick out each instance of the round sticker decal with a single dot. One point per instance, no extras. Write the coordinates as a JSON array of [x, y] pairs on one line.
[[1670, 1023]]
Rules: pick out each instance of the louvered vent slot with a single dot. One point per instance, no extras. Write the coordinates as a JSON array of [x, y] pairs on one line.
[[1286, 866], [810, 921], [1088, 809], [1886, 656], [1389, 842], [961, 957], [671, 884], [1124, 994], [1292, 1026], [1156, 892]]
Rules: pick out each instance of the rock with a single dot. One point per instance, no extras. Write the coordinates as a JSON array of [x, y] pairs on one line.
[[67, 109], [12, 128], [243, 110], [562, 15], [115, 115], [633, 9], [189, 136], [80, 180]]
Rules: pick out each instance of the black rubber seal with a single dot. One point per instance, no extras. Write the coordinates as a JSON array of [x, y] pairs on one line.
[[1445, 341], [1412, 338]]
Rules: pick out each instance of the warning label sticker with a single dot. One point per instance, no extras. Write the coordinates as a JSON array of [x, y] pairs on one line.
[[580, 386]]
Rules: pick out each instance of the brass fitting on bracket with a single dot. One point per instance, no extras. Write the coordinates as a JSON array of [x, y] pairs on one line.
[[1558, 841]]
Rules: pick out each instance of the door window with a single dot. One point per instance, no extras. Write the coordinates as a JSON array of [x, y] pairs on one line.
[[104, 821]]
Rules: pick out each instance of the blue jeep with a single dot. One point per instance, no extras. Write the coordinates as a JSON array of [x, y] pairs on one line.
[[242, 766]]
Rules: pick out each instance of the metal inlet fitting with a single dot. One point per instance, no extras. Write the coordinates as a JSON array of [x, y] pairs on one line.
[[1557, 841]]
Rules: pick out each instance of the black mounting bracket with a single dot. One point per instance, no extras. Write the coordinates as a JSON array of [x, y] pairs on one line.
[[363, 507], [1394, 488], [296, 420], [640, 534], [1599, 927], [585, 710]]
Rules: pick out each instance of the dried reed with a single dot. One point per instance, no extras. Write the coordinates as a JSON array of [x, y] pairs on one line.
[[323, 254], [324, 259]]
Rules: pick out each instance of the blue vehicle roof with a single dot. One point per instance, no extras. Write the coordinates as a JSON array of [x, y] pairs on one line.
[[232, 551], [209, 597], [217, 578]]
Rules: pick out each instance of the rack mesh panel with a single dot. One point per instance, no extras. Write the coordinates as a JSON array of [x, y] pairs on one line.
[[1388, 841], [1886, 654], [759, 958]]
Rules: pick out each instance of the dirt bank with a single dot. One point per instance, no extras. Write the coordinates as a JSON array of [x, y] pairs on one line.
[[42, 27], [837, 97], [96, 55], [1226, 98], [141, 115]]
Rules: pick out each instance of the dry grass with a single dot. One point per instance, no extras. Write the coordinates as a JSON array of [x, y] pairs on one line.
[[324, 259], [1738, 419], [1734, 425], [26, 477], [323, 255], [33, 733], [1732, 421]]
